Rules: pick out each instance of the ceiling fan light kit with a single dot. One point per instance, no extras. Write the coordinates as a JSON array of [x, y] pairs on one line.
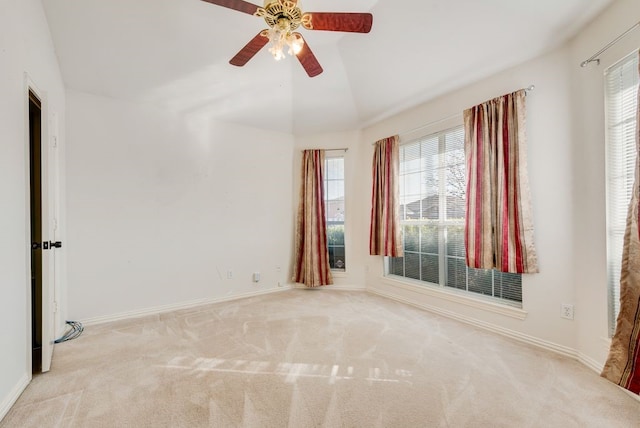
[[284, 17]]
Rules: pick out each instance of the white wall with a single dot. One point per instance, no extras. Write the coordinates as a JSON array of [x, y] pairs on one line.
[[25, 46], [588, 156], [162, 205], [548, 132], [565, 130]]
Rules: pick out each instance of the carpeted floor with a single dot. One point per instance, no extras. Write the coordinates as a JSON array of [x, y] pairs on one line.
[[312, 358]]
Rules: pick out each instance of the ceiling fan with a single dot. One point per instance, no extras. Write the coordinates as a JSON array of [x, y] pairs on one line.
[[283, 17]]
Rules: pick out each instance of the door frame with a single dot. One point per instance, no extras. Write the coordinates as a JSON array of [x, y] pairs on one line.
[[48, 291]]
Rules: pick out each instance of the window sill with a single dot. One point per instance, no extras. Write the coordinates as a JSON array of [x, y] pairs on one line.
[[339, 274], [464, 299]]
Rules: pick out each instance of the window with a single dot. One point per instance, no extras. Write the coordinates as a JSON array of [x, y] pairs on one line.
[[432, 206], [621, 106], [334, 208]]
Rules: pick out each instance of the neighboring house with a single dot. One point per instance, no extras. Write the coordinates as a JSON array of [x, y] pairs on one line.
[[429, 207], [335, 209]]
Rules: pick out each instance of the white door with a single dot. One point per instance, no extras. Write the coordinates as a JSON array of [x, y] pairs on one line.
[[43, 171], [50, 232]]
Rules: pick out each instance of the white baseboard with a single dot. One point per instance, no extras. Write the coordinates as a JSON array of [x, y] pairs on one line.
[[590, 362], [346, 288], [457, 297], [631, 394], [331, 287], [177, 306], [525, 338], [13, 396]]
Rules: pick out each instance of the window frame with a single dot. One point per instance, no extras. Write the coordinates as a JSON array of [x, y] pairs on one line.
[[327, 179], [615, 147], [445, 226]]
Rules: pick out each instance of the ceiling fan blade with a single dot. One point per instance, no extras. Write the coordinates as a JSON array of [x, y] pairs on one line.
[[338, 21], [239, 5], [308, 59], [250, 49]]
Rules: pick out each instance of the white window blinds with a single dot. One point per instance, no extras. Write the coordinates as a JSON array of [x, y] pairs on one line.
[[621, 97], [432, 208]]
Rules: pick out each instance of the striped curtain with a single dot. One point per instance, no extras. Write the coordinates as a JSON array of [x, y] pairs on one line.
[[623, 364], [384, 233], [498, 226], [312, 255]]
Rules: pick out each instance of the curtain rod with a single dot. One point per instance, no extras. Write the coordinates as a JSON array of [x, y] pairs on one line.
[[453, 116], [343, 149], [594, 57]]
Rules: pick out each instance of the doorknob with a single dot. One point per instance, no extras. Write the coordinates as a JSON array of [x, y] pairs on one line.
[[46, 245]]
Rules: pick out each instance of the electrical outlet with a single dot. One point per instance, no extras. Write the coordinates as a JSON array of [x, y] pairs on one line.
[[566, 311], [229, 274]]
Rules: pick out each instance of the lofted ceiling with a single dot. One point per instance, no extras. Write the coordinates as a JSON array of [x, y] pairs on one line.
[[175, 53]]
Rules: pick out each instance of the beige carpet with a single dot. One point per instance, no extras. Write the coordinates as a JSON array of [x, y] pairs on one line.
[[312, 358]]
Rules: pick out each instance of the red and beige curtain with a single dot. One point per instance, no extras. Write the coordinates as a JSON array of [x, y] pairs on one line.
[[384, 233], [499, 226], [311, 266], [623, 365]]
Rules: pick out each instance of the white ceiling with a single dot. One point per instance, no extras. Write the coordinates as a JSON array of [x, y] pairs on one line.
[[175, 53]]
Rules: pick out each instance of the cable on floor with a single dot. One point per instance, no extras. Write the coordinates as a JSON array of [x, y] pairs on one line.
[[74, 332]]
